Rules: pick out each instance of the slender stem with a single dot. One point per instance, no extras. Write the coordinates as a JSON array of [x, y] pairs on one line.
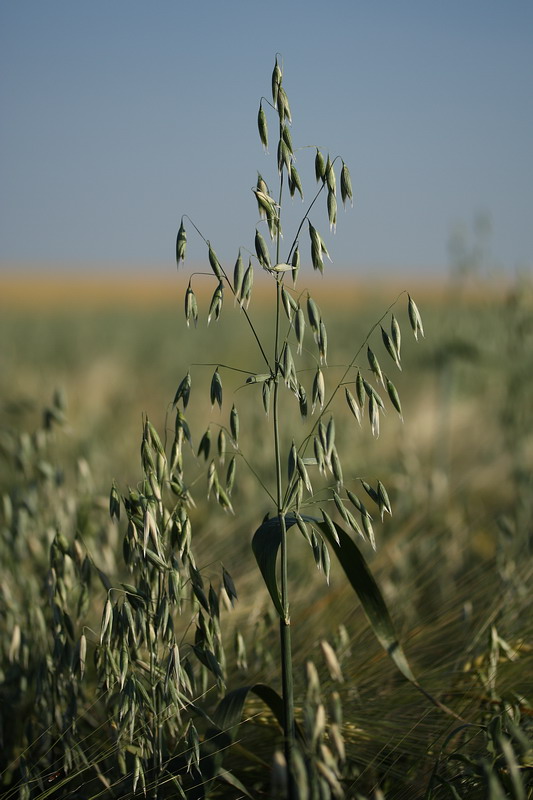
[[224, 366], [284, 623], [252, 328], [256, 476], [155, 713]]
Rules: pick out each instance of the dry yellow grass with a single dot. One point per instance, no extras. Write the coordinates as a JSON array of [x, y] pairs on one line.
[[49, 290], [44, 291]]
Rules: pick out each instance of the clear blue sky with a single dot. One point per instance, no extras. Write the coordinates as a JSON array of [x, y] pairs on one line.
[[119, 116]]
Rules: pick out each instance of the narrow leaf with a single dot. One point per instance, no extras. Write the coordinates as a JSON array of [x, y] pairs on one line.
[[367, 590], [265, 545], [228, 713]]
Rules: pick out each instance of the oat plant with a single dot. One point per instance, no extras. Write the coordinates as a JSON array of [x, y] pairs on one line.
[[311, 492]]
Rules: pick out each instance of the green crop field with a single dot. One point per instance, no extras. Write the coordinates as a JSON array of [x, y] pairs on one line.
[[82, 370]]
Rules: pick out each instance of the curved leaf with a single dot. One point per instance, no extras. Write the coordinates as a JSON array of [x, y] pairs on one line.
[[265, 545], [229, 777], [228, 713], [227, 716], [358, 573]]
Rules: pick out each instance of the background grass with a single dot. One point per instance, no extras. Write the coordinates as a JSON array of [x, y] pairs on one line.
[[454, 559]]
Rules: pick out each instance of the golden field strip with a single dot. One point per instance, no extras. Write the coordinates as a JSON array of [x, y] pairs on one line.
[[50, 290]]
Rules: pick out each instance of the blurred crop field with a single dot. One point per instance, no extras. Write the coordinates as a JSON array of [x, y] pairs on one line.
[[117, 348], [453, 560]]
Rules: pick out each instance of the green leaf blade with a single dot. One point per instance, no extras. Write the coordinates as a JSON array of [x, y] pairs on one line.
[[358, 573]]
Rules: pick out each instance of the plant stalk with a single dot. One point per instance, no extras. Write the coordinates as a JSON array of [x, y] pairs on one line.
[[284, 623]]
